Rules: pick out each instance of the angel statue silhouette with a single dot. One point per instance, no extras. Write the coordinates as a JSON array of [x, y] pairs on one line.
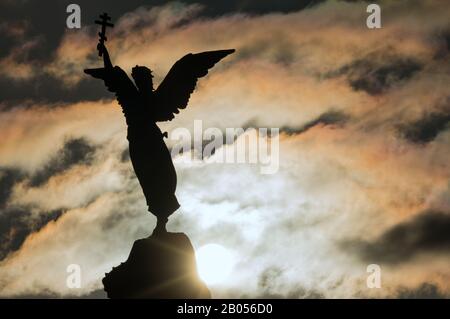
[[143, 107]]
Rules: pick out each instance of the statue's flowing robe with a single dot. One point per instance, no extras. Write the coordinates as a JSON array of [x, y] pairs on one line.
[[151, 161]]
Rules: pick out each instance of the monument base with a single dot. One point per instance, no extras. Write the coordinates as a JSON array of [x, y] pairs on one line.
[[161, 266]]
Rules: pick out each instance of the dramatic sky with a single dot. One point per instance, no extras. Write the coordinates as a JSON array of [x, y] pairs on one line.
[[364, 119]]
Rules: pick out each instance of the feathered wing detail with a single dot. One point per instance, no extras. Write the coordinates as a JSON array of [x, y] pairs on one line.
[[118, 82], [174, 91]]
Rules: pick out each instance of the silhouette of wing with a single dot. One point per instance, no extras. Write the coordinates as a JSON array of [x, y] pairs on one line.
[[174, 91], [118, 82]]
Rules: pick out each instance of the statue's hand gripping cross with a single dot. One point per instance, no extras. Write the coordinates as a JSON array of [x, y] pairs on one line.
[[104, 23]]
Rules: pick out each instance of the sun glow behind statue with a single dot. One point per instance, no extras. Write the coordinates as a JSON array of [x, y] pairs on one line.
[[214, 263]]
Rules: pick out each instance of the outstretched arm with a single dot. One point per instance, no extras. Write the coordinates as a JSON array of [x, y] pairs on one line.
[[106, 58]]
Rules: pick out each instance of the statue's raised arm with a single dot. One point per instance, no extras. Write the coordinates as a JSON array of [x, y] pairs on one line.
[[116, 80], [106, 59]]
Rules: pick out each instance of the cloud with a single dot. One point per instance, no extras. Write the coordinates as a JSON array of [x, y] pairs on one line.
[[20, 219], [428, 127], [43, 129], [8, 178], [424, 291], [60, 242], [443, 46], [36, 75], [427, 232], [327, 118], [18, 223], [375, 79], [74, 151], [14, 67]]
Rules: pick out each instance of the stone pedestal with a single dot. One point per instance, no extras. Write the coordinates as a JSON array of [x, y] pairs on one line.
[[160, 266]]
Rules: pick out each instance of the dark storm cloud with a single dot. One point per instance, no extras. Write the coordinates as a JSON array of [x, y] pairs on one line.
[[8, 178], [375, 79], [442, 44], [75, 151], [377, 73], [428, 127], [44, 21], [331, 117], [427, 232], [424, 291], [11, 33], [446, 41], [47, 89], [17, 223]]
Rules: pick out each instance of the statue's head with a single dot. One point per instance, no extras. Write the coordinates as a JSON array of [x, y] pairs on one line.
[[143, 78]]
